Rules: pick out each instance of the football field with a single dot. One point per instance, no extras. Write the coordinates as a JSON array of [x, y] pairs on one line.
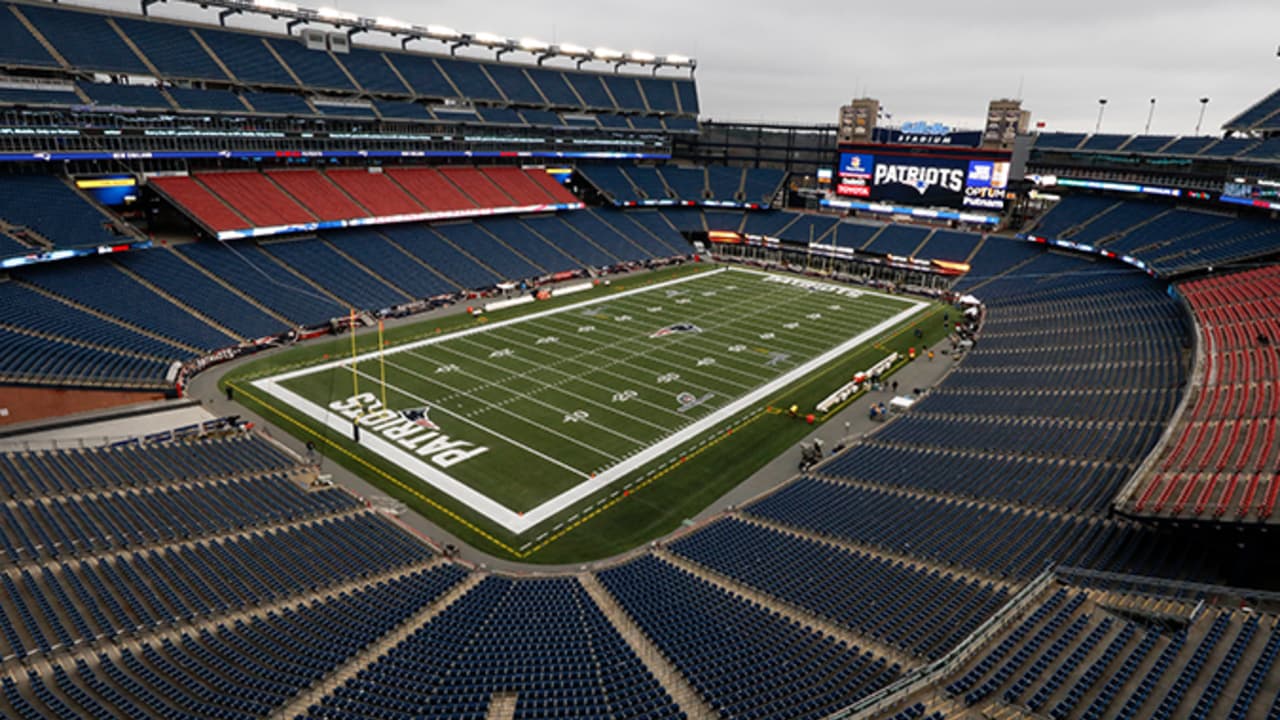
[[524, 418]]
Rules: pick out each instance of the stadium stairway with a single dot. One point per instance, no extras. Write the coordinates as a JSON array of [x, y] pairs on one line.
[[185, 307], [550, 228], [307, 282], [401, 249], [463, 251], [356, 263], [231, 288], [108, 318], [372, 652], [785, 609], [132, 560], [186, 662], [514, 251], [44, 42], [879, 551], [403, 242], [676, 684]]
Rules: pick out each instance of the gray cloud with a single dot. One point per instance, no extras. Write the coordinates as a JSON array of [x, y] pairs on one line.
[[924, 59]]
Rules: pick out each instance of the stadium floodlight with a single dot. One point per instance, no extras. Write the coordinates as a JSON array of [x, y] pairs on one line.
[[489, 39], [641, 56], [441, 32], [275, 5], [534, 45], [392, 23], [604, 53], [676, 60], [570, 50], [329, 13]]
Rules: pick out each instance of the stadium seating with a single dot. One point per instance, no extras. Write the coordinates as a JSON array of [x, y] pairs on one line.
[[21, 48], [721, 184], [472, 239], [741, 657], [375, 191], [542, 640], [253, 195], [130, 96], [106, 288], [314, 191], [1186, 146], [901, 240], [272, 655], [329, 269], [253, 273], [1059, 141], [47, 205], [373, 251], [596, 229], [949, 245], [84, 40], [278, 103], [247, 57], [29, 359], [200, 100], [185, 282], [179, 54], [519, 237], [1171, 240], [1259, 116], [556, 232], [174, 53], [289, 198], [908, 607], [200, 203], [441, 256], [477, 186], [646, 227], [1222, 461], [23, 308]]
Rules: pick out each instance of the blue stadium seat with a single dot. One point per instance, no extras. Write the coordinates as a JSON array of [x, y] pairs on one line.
[[85, 40]]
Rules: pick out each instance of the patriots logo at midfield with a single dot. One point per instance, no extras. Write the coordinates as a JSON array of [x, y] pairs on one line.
[[677, 328], [418, 416]]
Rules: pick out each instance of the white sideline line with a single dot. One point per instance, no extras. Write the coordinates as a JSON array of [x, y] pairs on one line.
[[519, 523]]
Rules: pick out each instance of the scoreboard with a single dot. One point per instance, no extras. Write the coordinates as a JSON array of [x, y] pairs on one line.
[[931, 175]]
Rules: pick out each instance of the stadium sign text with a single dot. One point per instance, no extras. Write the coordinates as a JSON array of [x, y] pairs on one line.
[[412, 433], [813, 285], [920, 177]]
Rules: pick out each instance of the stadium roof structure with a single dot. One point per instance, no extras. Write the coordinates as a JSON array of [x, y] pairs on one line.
[[354, 23], [1262, 116]]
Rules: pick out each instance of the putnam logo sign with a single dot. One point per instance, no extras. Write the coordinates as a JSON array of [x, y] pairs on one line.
[[410, 429]]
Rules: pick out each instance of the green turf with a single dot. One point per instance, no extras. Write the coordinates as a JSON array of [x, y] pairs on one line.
[[620, 377]]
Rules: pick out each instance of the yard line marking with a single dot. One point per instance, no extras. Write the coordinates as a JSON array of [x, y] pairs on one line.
[[494, 406], [534, 367], [501, 383], [417, 398], [586, 351], [488, 327], [751, 372], [420, 469]]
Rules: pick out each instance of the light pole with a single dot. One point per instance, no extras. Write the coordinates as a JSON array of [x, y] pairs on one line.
[[1150, 113], [1204, 102], [1102, 105]]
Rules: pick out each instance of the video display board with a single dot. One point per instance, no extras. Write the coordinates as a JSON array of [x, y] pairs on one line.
[[899, 174]]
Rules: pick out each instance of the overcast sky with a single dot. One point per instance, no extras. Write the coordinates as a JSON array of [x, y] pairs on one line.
[[936, 60]]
